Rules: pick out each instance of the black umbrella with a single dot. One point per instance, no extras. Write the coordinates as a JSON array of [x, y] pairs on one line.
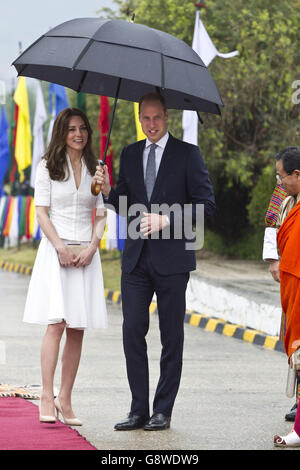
[[121, 59]]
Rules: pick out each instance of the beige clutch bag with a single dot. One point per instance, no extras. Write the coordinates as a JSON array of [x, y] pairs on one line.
[[76, 249]]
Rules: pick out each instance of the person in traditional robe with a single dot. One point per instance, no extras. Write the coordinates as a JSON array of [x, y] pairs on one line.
[[288, 236], [270, 255]]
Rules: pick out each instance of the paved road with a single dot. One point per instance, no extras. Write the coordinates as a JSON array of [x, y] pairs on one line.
[[247, 278], [231, 395]]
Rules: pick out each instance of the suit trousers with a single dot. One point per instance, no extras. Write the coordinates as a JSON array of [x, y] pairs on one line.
[[138, 288]]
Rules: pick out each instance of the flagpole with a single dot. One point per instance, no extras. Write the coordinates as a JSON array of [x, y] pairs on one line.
[[199, 6]]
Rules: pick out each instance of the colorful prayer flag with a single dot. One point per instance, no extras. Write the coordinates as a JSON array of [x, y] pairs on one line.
[[81, 102], [4, 147], [12, 140], [57, 92], [103, 126], [23, 135], [40, 118], [139, 131], [109, 240], [61, 101]]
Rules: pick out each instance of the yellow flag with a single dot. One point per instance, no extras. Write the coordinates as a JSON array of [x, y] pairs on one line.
[[103, 239], [9, 217], [31, 217], [23, 135], [139, 131]]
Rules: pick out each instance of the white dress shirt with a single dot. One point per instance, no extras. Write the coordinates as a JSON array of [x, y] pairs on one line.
[[71, 209], [270, 251], [158, 152]]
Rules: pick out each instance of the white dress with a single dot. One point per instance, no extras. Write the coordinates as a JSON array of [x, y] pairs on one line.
[[55, 292]]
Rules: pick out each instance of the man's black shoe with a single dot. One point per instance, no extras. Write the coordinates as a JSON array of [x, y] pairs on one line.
[[158, 422], [131, 422], [291, 415]]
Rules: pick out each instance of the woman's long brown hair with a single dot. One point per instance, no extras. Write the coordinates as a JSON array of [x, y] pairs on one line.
[[56, 151]]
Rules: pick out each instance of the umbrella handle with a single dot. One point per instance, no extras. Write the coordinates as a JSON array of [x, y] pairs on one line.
[[96, 187]]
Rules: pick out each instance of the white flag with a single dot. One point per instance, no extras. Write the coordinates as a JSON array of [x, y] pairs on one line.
[[51, 127], [38, 135], [111, 234], [14, 228], [205, 48]]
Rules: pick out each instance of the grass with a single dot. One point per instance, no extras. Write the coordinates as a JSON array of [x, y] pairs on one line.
[[111, 262], [249, 246]]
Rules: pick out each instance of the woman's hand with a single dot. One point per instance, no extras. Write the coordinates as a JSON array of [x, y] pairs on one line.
[[65, 255], [85, 257]]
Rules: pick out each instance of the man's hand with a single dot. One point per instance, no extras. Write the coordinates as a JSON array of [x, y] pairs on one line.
[[152, 223], [274, 269], [102, 177]]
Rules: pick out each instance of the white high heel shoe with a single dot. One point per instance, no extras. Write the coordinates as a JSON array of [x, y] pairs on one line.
[[45, 418], [68, 421]]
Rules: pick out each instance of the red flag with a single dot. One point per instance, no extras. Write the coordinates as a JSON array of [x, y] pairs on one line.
[[103, 126], [27, 223]]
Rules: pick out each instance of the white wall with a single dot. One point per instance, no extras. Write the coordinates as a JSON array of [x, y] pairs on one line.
[[206, 298]]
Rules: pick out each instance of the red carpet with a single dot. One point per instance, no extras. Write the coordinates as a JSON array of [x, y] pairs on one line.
[[20, 429]]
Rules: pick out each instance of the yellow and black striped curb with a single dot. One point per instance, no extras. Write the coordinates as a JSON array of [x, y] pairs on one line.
[[205, 322], [16, 268], [216, 325], [234, 331]]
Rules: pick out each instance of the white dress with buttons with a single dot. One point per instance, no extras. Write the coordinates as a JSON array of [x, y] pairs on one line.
[[58, 293]]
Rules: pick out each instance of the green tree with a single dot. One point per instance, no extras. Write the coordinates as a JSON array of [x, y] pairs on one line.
[[259, 117]]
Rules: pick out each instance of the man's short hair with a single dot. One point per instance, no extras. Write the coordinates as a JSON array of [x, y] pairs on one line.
[[150, 97], [290, 157]]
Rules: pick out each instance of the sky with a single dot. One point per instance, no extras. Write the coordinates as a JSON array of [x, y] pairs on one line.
[[27, 20]]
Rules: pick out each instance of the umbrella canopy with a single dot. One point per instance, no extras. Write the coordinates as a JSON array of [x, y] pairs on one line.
[[119, 58]]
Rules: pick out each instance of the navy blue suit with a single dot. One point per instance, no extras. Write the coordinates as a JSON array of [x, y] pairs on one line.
[[158, 265]]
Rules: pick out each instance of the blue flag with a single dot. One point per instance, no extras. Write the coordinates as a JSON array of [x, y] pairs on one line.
[[121, 231], [61, 100], [4, 148]]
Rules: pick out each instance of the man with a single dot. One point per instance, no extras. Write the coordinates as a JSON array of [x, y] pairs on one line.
[[270, 254], [288, 236], [158, 170]]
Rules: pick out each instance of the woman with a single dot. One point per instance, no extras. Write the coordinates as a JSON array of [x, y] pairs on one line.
[[66, 288]]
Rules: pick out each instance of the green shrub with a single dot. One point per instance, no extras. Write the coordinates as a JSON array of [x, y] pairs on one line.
[[249, 246]]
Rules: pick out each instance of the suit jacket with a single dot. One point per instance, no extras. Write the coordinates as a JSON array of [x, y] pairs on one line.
[[182, 179]]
